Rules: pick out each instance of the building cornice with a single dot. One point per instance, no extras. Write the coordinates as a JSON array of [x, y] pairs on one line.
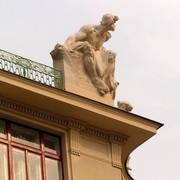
[[65, 122]]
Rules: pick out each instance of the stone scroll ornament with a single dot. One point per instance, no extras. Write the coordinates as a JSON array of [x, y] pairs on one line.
[[98, 62]]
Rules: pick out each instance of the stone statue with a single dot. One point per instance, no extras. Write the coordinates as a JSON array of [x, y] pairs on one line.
[[125, 106], [98, 62]]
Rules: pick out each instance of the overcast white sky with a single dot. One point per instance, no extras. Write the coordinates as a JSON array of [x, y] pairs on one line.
[[147, 42]]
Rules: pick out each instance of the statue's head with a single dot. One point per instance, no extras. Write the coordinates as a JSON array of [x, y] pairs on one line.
[[109, 21]]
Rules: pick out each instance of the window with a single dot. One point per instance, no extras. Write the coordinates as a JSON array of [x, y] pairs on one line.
[[28, 154]]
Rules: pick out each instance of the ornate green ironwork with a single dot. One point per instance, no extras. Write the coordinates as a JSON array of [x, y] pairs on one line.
[[30, 69]]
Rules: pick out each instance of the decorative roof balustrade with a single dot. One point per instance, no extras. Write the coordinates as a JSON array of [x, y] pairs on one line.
[[30, 69]]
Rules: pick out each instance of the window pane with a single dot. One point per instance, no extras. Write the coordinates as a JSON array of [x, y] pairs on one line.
[[19, 169], [53, 169], [2, 129], [25, 136], [3, 162], [34, 167], [51, 144]]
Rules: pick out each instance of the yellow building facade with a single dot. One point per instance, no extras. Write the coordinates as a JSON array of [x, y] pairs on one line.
[[51, 134]]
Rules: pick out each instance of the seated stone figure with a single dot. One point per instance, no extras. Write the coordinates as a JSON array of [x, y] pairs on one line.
[[98, 62]]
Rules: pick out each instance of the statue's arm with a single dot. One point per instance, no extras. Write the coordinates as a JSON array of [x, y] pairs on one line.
[[78, 36], [81, 35]]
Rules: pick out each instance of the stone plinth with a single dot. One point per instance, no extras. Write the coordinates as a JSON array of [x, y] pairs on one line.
[[76, 80]]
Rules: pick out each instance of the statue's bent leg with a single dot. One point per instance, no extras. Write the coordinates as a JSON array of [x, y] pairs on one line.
[[100, 85], [90, 68]]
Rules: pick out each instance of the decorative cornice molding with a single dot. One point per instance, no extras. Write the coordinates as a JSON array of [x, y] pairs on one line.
[[95, 132], [117, 138], [74, 124], [65, 122], [25, 110]]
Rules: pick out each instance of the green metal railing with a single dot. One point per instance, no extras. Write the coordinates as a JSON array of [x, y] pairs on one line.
[[32, 70]]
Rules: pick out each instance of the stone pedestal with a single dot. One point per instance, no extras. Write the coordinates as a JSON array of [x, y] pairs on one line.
[[76, 80]]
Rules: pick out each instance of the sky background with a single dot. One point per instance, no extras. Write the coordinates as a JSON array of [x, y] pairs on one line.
[[147, 42]]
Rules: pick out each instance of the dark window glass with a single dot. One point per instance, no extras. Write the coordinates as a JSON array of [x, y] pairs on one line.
[[51, 144], [25, 136], [2, 129]]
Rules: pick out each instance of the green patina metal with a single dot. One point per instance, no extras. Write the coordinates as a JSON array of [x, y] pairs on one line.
[[30, 69]]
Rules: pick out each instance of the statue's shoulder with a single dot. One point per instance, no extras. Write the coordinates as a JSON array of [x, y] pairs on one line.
[[88, 28]]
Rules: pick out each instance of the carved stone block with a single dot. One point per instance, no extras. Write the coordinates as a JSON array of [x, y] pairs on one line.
[[76, 80]]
